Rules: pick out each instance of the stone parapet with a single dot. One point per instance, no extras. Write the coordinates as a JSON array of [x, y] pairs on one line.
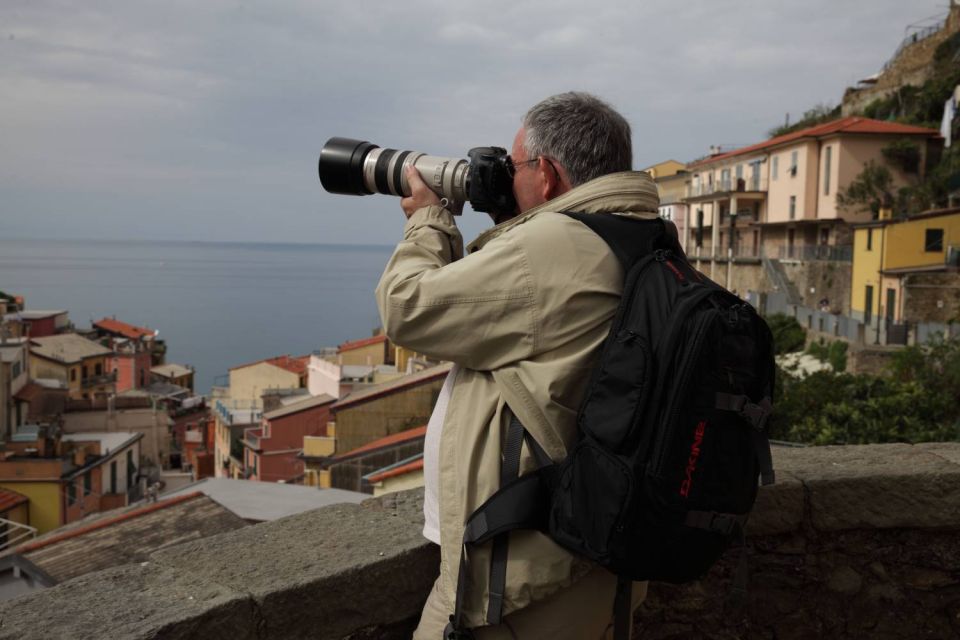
[[856, 541]]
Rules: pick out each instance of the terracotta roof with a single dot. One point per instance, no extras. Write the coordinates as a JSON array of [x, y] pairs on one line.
[[356, 344], [10, 499], [393, 472], [851, 124], [30, 392], [396, 438], [392, 386], [296, 365], [126, 330], [130, 536]]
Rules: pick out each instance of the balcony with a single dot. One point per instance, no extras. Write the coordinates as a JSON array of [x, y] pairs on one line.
[[96, 381], [741, 185]]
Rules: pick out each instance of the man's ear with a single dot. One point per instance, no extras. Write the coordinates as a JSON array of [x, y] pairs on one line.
[[554, 183]]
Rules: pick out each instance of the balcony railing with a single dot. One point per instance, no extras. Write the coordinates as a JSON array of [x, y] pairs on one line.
[[13, 534], [733, 185], [96, 381]]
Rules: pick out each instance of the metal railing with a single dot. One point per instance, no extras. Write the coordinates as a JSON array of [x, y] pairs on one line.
[[920, 33], [93, 381], [733, 185], [13, 534]]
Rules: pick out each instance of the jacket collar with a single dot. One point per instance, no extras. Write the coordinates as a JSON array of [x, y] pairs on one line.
[[630, 193]]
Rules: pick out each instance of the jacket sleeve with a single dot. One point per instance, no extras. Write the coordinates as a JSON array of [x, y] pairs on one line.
[[476, 310]]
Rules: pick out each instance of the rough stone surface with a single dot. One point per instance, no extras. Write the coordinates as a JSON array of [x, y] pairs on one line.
[[131, 602], [852, 542], [324, 557], [779, 507]]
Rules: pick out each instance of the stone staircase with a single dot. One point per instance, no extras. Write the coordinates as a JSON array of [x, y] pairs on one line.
[[778, 277]]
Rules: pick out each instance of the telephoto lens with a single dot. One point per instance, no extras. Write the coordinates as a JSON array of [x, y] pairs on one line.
[[359, 168]]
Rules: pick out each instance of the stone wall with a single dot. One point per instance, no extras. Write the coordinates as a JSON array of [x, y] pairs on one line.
[[852, 542], [816, 280], [932, 297], [911, 66]]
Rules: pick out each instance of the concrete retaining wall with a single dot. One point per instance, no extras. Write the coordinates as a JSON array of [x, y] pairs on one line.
[[859, 541]]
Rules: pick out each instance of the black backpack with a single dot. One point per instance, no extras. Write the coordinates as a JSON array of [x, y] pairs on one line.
[[671, 438]]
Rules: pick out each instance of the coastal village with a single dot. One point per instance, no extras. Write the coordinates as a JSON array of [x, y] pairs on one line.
[[109, 453]]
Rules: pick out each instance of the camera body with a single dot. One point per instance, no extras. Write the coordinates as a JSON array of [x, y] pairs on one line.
[[356, 167]]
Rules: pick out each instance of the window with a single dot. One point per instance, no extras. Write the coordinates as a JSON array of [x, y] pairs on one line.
[[71, 493], [87, 484], [98, 369], [869, 239], [739, 171], [16, 369], [793, 163], [113, 477], [868, 305], [725, 179], [826, 170], [775, 164], [793, 207], [73, 375], [85, 373], [933, 241]]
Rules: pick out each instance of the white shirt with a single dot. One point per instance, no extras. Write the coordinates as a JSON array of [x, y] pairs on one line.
[[431, 461]]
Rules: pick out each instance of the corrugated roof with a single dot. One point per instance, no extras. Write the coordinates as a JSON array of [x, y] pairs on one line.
[[131, 331], [392, 439], [34, 314], [10, 499], [67, 348], [270, 500], [365, 342], [379, 390], [851, 124], [303, 405], [128, 536]]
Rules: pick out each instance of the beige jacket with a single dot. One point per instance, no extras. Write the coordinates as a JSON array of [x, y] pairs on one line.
[[524, 314]]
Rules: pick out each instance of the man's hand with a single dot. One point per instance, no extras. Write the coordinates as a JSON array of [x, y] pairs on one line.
[[420, 194]]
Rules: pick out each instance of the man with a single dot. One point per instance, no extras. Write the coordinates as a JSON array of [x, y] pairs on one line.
[[523, 317]]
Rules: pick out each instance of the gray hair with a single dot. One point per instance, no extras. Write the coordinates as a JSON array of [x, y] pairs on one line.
[[581, 132]]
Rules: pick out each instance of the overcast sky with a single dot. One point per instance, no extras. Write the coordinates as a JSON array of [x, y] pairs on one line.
[[203, 120]]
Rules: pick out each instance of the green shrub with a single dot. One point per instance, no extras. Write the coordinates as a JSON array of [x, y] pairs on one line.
[[788, 334]]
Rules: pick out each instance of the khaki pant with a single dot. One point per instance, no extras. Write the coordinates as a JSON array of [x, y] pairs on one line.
[[584, 611]]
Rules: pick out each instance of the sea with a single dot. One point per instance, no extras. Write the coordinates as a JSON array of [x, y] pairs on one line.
[[217, 305]]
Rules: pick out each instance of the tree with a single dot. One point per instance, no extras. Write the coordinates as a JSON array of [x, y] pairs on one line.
[[788, 334], [870, 190]]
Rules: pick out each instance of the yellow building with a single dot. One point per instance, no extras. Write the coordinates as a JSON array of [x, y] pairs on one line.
[[885, 251], [82, 364], [664, 169]]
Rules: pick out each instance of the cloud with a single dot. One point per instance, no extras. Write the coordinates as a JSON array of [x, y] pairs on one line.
[[183, 119]]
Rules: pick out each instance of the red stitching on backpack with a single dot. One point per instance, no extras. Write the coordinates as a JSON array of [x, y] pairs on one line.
[[676, 271], [694, 457]]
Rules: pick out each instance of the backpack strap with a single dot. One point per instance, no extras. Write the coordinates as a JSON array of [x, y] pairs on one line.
[[629, 238], [521, 503]]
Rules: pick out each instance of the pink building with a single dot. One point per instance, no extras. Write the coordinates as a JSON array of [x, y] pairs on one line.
[[778, 198], [134, 352], [272, 451]]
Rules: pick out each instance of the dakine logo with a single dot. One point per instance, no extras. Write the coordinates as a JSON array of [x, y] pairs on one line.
[[694, 456]]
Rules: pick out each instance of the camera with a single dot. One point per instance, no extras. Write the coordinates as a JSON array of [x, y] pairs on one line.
[[359, 168]]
